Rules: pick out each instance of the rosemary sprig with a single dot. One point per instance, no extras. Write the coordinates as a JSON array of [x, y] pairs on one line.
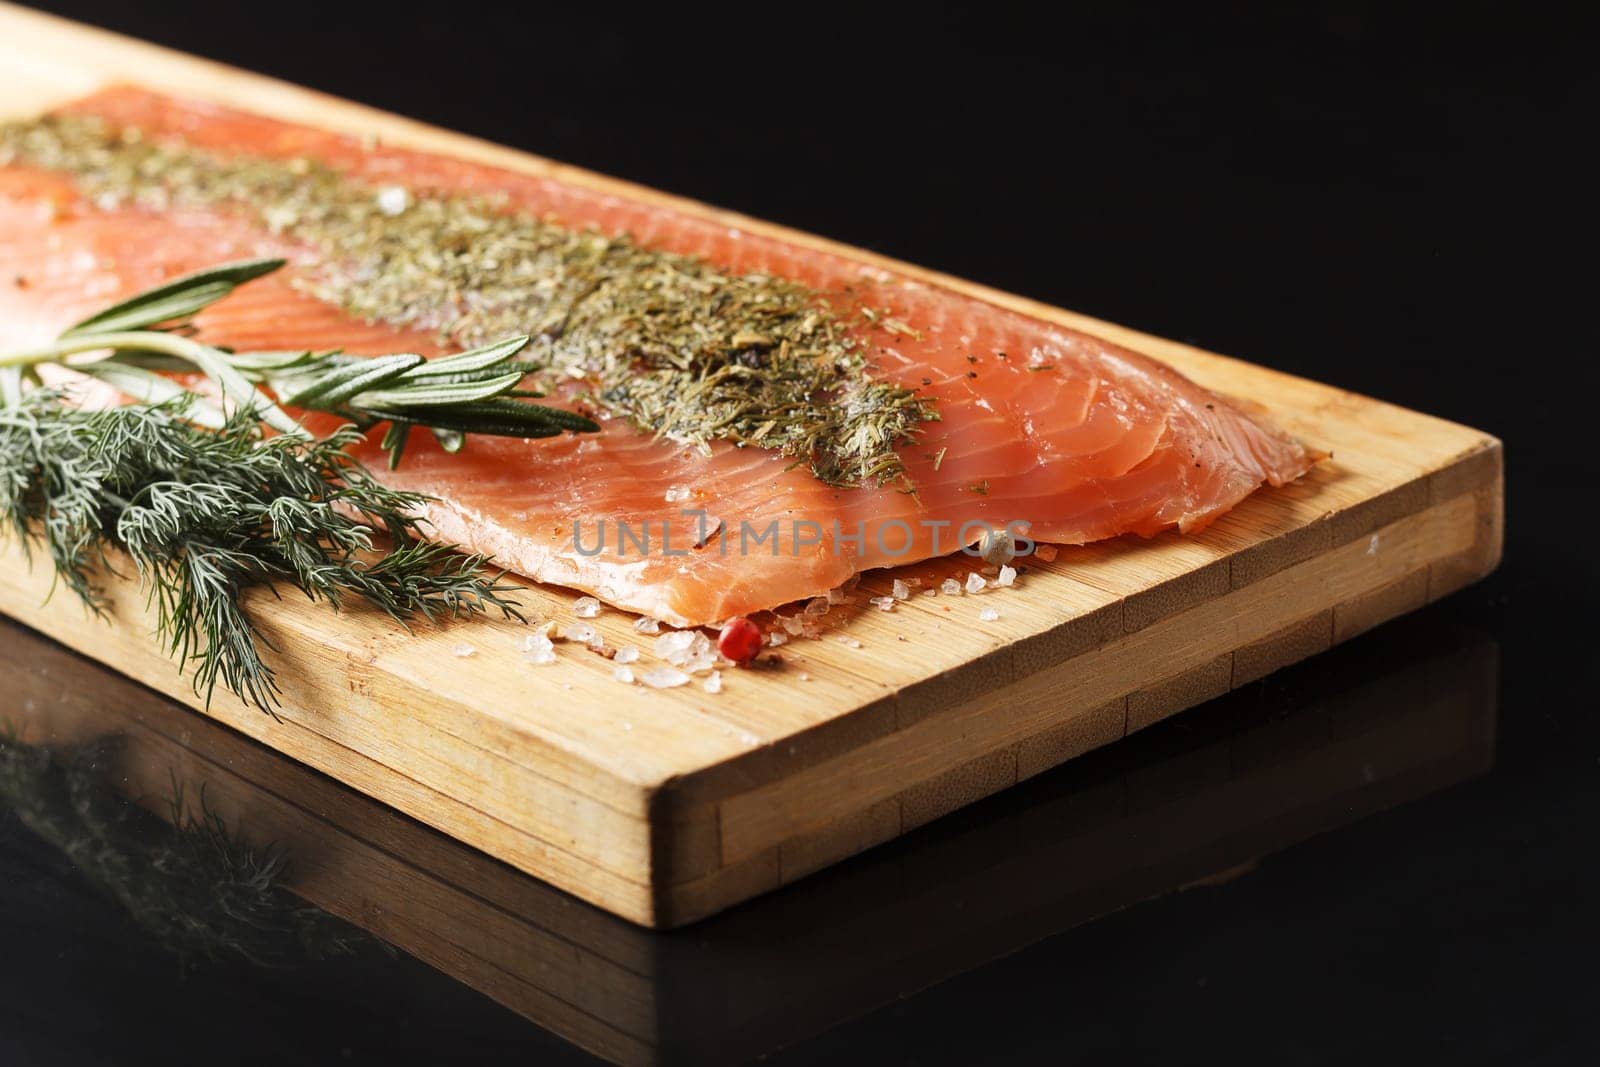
[[207, 504], [472, 392], [205, 514]]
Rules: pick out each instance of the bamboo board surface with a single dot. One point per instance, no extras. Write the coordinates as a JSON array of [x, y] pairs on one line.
[[1371, 727], [666, 806]]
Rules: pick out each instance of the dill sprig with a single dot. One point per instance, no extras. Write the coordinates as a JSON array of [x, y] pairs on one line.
[[207, 504], [206, 514]]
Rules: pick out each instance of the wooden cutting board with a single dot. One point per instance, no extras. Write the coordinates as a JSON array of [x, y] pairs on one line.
[[1372, 727], [666, 806]]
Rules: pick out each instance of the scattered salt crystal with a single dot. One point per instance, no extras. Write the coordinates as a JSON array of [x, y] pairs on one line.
[[673, 646], [713, 684], [930, 592], [582, 631], [804, 677], [663, 678], [975, 582], [988, 615], [818, 605], [623, 674], [646, 625], [1372, 546], [883, 603], [280, 217], [837, 596], [626, 654], [852, 642], [950, 587], [1045, 552], [793, 625], [1007, 577], [702, 655], [586, 607], [775, 638], [689, 649], [537, 648], [393, 200], [749, 739], [900, 591], [463, 651], [677, 494], [628, 726]]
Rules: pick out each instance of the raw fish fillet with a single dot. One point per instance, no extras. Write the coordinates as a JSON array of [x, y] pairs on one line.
[[1074, 437]]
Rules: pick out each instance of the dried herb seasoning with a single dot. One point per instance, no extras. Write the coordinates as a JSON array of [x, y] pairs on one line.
[[668, 341]]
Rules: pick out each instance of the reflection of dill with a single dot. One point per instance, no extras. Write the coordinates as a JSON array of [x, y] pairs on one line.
[[188, 883]]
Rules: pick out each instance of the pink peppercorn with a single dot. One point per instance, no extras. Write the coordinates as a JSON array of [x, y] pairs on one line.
[[740, 640]]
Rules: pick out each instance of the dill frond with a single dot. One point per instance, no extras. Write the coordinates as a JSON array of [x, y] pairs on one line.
[[206, 514]]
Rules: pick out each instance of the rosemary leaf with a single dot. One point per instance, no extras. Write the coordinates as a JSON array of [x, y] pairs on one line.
[[174, 301]]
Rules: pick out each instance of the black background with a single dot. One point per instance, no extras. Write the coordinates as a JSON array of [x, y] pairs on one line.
[[1397, 202]]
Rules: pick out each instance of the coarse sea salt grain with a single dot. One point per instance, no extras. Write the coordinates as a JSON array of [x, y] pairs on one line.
[[626, 654], [900, 590], [852, 642], [393, 200], [818, 605], [673, 646], [664, 678], [950, 587], [1045, 552], [537, 648], [793, 625], [586, 607], [623, 674], [837, 596], [1006, 578], [988, 615], [646, 625], [883, 603], [713, 684], [582, 631], [462, 651], [975, 582], [677, 494], [702, 655], [776, 638]]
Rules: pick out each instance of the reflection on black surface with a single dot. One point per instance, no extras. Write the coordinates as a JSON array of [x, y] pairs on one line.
[[185, 880], [1378, 722]]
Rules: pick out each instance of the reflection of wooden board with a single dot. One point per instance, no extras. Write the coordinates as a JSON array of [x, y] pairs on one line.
[[666, 806], [1375, 728]]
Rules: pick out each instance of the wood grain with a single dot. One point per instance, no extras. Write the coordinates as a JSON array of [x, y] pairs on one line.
[[1172, 808], [665, 806]]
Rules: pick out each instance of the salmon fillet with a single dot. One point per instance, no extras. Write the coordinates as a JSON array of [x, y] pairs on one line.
[[1057, 433]]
